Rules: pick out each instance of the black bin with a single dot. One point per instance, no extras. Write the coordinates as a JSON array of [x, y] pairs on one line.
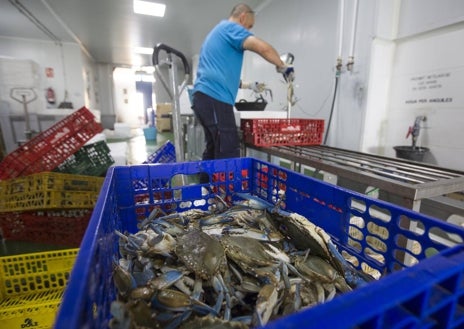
[[411, 153]]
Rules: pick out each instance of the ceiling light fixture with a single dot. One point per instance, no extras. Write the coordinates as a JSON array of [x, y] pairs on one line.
[[143, 50], [149, 8]]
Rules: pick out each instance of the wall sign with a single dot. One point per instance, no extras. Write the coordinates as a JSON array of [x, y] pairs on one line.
[[431, 88]]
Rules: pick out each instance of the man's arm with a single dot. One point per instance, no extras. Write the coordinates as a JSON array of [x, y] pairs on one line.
[[264, 49]]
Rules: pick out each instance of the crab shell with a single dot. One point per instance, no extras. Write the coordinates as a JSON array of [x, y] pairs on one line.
[[201, 253], [304, 235], [320, 270], [246, 252]]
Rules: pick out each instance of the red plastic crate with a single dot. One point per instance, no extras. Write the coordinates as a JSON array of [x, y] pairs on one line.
[[61, 228], [50, 148], [275, 132]]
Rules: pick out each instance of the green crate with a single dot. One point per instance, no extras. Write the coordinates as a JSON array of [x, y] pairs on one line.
[[93, 160]]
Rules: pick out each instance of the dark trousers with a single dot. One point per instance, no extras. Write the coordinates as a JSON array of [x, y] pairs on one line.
[[218, 121]]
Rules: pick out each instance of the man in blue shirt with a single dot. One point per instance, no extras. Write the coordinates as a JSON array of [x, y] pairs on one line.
[[218, 79]]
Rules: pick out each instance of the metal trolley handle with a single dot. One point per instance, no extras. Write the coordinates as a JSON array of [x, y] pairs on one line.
[[156, 62], [175, 91], [162, 46]]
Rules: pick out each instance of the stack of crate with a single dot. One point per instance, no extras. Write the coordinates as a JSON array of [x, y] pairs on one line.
[[50, 148], [164, 116], [40, 205], [50, 208]]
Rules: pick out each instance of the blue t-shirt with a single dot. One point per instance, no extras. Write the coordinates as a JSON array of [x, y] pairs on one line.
[[220, 64]]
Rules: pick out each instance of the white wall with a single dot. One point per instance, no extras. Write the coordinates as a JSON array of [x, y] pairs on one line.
[[310, 31], [49, 55], [90, 77], [419, 80], [104, 89], [307, 30], [126, 108], [16, 73]]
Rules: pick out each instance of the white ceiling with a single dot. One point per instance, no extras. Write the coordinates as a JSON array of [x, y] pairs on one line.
[[108, 29]]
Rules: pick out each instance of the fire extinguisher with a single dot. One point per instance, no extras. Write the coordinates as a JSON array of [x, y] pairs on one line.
[[51, 99]]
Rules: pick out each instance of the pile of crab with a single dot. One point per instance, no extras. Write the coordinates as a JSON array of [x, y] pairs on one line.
[[235, 266]]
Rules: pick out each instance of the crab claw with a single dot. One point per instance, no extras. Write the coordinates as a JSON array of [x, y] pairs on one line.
[[267, 300], [253, 201], [353, 277]]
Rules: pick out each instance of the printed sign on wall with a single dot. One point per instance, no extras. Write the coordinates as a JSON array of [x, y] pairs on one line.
[[431, 89]]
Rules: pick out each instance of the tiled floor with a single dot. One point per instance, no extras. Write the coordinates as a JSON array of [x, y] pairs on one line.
[[125, 151]]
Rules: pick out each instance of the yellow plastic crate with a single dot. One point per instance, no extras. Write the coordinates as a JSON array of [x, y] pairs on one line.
[[35, 272], [32, 286], [50, 181], [36, 311], [47, 200], [49, 190]]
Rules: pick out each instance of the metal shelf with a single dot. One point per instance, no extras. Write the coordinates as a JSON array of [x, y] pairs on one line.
[[410, 180]]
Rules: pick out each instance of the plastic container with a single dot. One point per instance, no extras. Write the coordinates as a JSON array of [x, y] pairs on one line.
[[51, 147], [51, 181], [49, 200], [60, 228], [92, 160], [31, 287], [376, 234], [150, 134], [165, 154], [275, 132], [258, 105], [49, 190], [410, 153]]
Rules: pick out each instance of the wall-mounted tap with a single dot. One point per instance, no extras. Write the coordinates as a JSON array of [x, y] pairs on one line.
[[414, 130]]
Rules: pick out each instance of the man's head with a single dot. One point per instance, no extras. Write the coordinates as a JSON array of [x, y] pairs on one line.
[[243, 15]]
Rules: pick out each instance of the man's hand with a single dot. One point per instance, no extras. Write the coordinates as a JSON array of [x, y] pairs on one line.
[[257, 87], [287, 71]]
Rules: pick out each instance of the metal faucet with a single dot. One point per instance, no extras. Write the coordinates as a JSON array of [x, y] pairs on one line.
[[414, 130]]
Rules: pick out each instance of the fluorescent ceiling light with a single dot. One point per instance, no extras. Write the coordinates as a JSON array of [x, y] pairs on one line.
[[143, 50], [149, 8]]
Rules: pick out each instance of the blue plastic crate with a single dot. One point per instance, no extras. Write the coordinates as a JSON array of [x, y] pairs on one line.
[[426, 295], [165, 154]]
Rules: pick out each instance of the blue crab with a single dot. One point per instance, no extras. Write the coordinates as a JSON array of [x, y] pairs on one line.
[[305, 235], [205, 256]]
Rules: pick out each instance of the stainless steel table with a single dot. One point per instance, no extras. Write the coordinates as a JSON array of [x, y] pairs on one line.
[[408, 180]]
